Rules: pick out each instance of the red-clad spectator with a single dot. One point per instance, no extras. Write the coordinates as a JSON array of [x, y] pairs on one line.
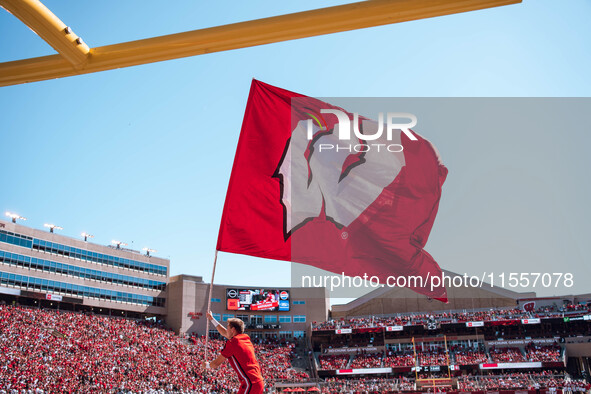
[[371, 360], [399, 360], [333, 362], [506, 355], [543, 353]]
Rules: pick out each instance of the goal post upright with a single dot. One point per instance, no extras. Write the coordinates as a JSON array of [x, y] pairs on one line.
[[447, 357]]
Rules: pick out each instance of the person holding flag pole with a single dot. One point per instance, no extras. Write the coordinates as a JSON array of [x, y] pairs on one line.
[[238, 350]]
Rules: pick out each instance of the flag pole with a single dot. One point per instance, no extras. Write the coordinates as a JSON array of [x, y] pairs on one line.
[[215, 260]]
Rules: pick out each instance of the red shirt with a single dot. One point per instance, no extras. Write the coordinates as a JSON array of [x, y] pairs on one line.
[[240, 354]]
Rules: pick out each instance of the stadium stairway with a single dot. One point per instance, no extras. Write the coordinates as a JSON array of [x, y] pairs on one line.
[[349, 362], [300, 361]]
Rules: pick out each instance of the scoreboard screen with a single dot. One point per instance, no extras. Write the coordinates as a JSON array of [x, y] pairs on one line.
[[265, 300]]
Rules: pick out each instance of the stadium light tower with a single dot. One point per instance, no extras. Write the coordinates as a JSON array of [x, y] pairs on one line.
[[148, 251], [52, 227], [86, 236], [15, 216], [118, 243]]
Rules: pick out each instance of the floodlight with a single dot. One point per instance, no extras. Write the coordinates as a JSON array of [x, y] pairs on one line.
[[148, 251], [86, 236], [15, 216], [52, 227]]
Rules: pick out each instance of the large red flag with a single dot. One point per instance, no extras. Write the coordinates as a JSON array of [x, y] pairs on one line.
[[300, 191]]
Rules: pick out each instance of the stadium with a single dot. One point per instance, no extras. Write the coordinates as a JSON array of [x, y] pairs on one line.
[[81, 317], [437, 148]]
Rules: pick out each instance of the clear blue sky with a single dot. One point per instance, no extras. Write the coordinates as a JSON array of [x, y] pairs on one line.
[[120, 154]]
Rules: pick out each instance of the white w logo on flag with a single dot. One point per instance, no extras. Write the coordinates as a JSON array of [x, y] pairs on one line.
[[328, 176]]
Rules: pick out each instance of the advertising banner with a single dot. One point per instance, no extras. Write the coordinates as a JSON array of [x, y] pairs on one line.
[[510, 365], [341, 350], [521, 342], [53, 297], [266, 300], [361, 371]]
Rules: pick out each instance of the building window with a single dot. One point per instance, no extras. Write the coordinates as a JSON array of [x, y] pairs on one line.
[[244, 318], [81, 254], [285, 319], [85, 291], [226, 316], [299, 318], [270, 319], [299, 334], [285, 334], [255, 334], [86, 273]]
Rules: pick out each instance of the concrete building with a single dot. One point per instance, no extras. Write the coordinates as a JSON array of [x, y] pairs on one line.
[[187, 306], [44, 268], [41, 268]]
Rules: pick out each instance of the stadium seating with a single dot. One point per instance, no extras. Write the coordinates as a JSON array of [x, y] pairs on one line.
[[436, 357], [462, 355], [363, 385], [399, 360], [543, 353], [372, 360], [71, 352], [447, 317], [506, 355], [333, 362], [515, 381], [47, 351]]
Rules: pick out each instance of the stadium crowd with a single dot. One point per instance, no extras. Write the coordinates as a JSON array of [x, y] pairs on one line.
[[399, 360], [519, 380], [447, 317], [467, 383], [513, 381], [436, 357], [45, 351], [363, 385], [505, 382], [542, 353], [372, 360], [506, 355], [469, 357], [333, 362], [460, 355], [51, 351]]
